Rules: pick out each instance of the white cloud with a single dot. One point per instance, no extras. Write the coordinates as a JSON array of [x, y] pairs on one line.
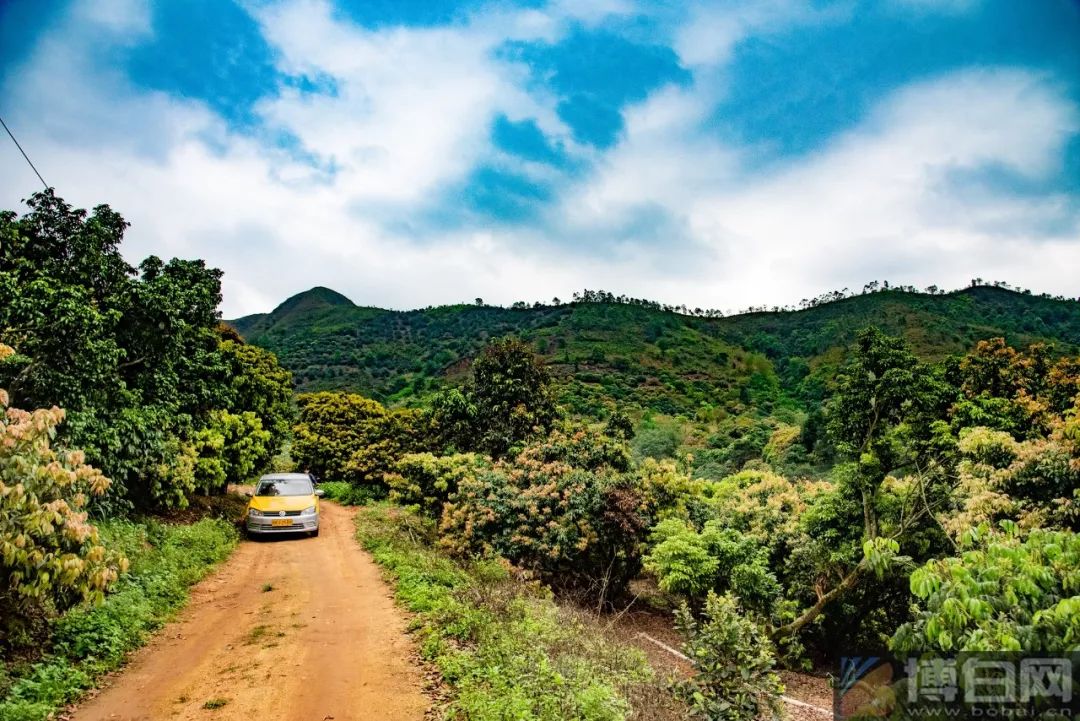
[[669, 212], [712, 30], [869, 205]]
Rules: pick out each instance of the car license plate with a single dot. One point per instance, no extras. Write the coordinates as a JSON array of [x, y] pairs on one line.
[[281, 522]]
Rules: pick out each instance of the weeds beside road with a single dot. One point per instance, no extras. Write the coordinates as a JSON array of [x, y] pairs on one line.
[[504, 648], [88, 642]]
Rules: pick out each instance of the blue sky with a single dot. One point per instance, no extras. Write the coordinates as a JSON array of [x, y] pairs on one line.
[[406, 153]]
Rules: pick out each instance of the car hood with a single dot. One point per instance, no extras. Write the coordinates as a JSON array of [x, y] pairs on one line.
[[281, 503]]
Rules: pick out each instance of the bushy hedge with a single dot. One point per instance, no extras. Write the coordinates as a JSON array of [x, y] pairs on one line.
[[348, 494], [91, 640], [564, 508]]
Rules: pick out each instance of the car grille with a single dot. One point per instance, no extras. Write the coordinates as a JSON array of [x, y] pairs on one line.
[[261, 524]]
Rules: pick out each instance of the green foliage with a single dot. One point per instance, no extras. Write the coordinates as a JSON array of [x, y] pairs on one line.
[[563, 508], [651, 358], [346, 437], [512, 394], [51, 557], [656, 440], [428, 481], [717, 559], [619, 426], [1033, 482], [453, 420], [91, 640], [505, 650], [259, 385], [733, 660], [681, 561], [1005, 592], [134, 355], [348, 494]]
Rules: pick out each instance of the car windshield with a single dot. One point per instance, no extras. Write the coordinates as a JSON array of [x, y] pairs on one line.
[[284, 487]]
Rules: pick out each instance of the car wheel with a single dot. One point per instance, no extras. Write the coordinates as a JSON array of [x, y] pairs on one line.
[[315, 533]]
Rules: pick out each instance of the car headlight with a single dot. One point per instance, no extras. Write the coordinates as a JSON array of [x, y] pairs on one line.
[[309, 511], [253, 512]]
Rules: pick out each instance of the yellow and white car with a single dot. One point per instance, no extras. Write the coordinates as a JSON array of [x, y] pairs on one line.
[[284, 503]]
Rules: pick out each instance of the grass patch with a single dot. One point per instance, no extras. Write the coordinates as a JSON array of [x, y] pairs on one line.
[[257, 634], [261, 633], [267, 587], [215, 703], [505, 649], [87, 642]]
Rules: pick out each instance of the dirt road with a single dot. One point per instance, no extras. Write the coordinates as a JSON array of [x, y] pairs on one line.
[[288, 629]]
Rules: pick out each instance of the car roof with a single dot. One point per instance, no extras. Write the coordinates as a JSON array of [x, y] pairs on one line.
[[285, 477]]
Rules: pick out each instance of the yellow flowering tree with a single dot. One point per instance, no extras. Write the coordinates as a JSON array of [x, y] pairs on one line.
[[50, 555]]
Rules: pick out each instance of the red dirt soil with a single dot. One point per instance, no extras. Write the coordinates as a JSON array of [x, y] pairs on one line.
[[326, 642]]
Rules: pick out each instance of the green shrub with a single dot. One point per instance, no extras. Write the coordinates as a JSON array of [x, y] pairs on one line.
[[716, 559], [560, 509], [348, 494], [733, 659], [1004, 593], [51, 557], [91, 640], [428, 481]]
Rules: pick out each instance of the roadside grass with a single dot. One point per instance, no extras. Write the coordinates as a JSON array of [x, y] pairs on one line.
[[505, 649], [90, 641]]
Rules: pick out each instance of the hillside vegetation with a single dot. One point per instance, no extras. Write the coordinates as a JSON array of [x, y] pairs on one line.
[[603, 353]]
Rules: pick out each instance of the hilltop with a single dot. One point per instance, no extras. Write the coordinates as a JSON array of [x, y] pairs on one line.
[[633, 353]]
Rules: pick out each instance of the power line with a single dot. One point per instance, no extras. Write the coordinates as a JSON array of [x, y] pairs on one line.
[[24, 154]]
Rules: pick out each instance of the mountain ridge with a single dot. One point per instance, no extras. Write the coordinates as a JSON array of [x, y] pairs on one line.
[[609, 352]]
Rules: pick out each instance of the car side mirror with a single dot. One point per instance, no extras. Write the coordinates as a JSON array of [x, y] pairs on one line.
[[320, 492], [247, 493]]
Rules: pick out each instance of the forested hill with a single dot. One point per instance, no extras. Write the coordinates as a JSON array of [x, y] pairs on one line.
[[637, 354]]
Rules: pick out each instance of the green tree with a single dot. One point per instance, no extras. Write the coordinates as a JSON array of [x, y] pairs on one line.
[[133, 355], [733, 659], [1005, 592], [512, 394], [346, 437], [884, 419], [258, 384], [619, 425], [453, 420], [50, 555]]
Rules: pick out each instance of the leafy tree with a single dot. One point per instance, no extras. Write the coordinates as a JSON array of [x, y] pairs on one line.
[[258, 384], [512, 394], [733, 659], [619, 425], [564, 508], [346, 437], [717, 559], [231, 448], [1006, 592], [429, 481], [453, 420], [133, 355], [50, 556], [1033, 482], [883, 420]]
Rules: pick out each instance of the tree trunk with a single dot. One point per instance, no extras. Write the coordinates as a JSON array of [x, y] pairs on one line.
[[814, 611]]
